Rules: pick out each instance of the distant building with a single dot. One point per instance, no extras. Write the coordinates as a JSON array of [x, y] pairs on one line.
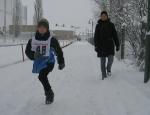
[[23, 29], [9, 13], [63, 33], [59, 33]]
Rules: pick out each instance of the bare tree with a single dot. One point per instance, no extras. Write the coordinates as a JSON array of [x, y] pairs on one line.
[[17, 19], [38, 11]]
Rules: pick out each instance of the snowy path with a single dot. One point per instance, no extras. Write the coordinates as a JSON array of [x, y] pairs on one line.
[[78, 89]]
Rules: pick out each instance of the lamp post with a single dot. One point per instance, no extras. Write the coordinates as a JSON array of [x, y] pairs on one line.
[[147, 52], [92, 23], [5, 20], [123, 29]]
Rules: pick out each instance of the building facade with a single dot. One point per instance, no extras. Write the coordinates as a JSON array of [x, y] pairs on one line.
[[64, 34], [10, 6]]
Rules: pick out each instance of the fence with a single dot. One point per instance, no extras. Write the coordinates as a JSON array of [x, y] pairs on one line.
[[15, 53]]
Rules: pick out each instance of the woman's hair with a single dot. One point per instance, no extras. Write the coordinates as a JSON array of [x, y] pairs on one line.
[[104, 12]]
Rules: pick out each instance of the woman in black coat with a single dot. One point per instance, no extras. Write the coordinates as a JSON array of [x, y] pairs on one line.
[[106, 40]]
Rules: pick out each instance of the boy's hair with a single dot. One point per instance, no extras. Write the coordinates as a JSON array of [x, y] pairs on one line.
[[43, 22]]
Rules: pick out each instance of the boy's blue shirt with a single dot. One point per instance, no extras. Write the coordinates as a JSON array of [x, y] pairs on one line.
[[43, 62]]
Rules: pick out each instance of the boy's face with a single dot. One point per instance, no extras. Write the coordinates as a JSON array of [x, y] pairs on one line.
[[104, 17], [42, 30]]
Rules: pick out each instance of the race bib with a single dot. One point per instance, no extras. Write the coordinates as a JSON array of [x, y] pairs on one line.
[[43, 47]]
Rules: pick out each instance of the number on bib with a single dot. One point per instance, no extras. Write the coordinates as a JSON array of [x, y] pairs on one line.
[[38, 49], [41, 49]]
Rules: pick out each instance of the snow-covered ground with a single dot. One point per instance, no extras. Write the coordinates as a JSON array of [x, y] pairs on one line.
[[10, 55], [78, 89]]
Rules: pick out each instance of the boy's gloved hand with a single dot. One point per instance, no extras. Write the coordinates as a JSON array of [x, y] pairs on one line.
[[37, 55], [61, 66]]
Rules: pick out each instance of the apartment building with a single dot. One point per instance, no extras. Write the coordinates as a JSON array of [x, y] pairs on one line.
[[10, 12]]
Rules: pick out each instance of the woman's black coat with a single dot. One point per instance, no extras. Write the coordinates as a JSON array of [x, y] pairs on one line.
[[106, 39]]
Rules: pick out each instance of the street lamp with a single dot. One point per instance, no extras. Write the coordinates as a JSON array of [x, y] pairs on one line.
[[147, 52], [5, 20], [123, 29], [92, 23]]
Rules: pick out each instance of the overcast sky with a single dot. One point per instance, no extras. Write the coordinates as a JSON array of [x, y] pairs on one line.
[[68, 12]]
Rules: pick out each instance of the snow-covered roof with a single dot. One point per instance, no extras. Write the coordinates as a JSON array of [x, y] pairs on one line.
[[62, 28]]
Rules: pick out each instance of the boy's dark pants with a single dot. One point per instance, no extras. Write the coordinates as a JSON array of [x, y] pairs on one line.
[[44, 79]]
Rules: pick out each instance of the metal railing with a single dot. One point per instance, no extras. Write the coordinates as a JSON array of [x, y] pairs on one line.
[[22, 51]]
